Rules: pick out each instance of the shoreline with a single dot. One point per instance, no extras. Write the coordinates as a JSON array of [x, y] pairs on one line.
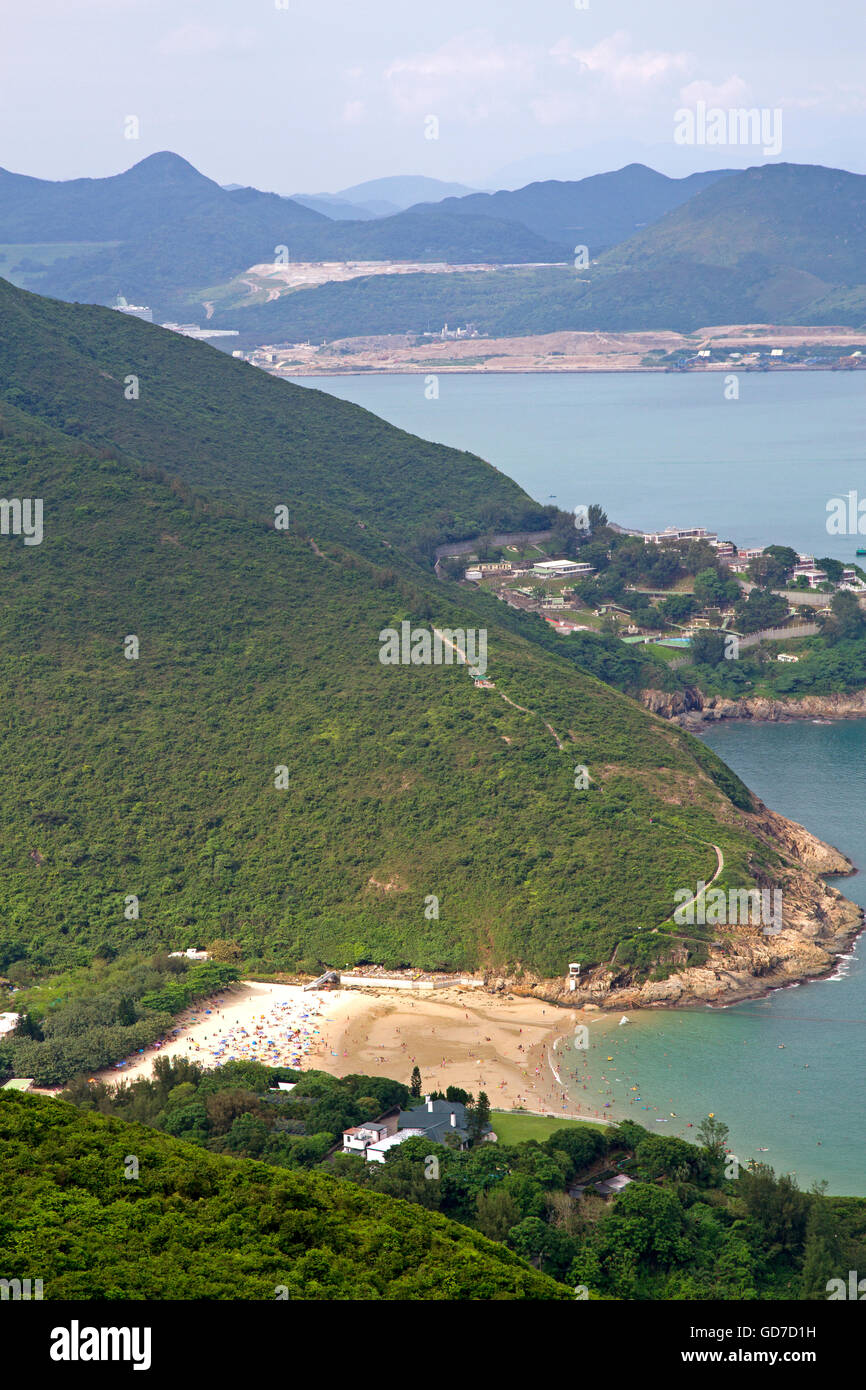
[[425, 368], [457, 1037], [692, 710], [503, 1042]]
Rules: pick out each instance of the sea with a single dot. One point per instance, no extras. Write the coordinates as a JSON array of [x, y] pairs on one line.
[[785, 1073], [654, 450]]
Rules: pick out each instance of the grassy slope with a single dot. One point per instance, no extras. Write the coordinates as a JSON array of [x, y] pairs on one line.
[[223, 426], [155, 777], [513, 1128], [203, 1226]]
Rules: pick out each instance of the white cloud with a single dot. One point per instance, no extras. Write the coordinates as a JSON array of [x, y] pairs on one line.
[[468, 76], [473, 78], [613, 60]]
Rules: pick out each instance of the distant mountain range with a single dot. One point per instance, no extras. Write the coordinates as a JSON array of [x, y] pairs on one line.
[[597, 212], [780, 244], [382, 197], [163, 233]]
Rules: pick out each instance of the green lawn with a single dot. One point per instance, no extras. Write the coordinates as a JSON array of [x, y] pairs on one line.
[[511, 1127]]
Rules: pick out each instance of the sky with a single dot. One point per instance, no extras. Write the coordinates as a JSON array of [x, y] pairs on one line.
[[315, 95]]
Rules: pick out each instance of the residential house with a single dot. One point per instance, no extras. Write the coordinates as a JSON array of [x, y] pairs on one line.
[[813, 577], [441, 1121], [376, 1153], [358, 1138]]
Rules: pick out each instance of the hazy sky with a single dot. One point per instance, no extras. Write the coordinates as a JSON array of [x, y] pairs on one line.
[[310, 95]]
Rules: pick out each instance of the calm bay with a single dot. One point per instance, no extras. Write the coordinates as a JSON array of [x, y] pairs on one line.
[[785, 1073]]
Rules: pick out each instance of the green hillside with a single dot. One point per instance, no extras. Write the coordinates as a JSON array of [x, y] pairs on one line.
[[417, 303], [258, 651], [203, 1226], [777, 244]]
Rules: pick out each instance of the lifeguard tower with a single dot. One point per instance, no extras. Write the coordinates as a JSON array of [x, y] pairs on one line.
[[573, 975]]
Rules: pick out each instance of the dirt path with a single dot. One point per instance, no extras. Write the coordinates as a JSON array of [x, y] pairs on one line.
[[720, 864], [514, 705]]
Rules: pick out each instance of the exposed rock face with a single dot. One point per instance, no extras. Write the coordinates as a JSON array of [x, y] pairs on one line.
[[691, 708], [818, 923]]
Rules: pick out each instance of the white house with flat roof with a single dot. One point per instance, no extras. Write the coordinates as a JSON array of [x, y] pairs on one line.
[[674, 533], [552, 569]]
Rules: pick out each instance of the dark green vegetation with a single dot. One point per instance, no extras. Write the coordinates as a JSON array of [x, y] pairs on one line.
[[258, 651], [195, 1225], [597, 212], [176, 232], [833, 663], [90, 1018], [233, 1110], [778, 244], [693, 1224]]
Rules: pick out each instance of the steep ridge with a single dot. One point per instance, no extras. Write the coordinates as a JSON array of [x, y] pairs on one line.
[[256, 771]]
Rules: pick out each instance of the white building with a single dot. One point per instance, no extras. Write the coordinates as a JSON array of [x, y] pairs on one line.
[[135, 311], [674, 533], [814, 577], [358, 1139], [192, 330], [553, 569]]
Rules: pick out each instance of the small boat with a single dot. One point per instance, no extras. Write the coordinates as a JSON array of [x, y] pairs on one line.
[[860, 552]]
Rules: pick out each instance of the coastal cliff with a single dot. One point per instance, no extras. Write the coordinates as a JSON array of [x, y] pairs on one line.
[[818, 924], [691, 708]]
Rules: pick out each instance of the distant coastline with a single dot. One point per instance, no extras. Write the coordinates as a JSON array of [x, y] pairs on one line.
[[726, 348]]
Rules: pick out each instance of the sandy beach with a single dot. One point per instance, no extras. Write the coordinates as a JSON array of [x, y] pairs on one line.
[[278, 1025], [504, 1045]]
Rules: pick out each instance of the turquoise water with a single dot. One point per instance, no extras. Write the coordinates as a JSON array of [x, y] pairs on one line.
[[785, 1073], [654, 450]]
